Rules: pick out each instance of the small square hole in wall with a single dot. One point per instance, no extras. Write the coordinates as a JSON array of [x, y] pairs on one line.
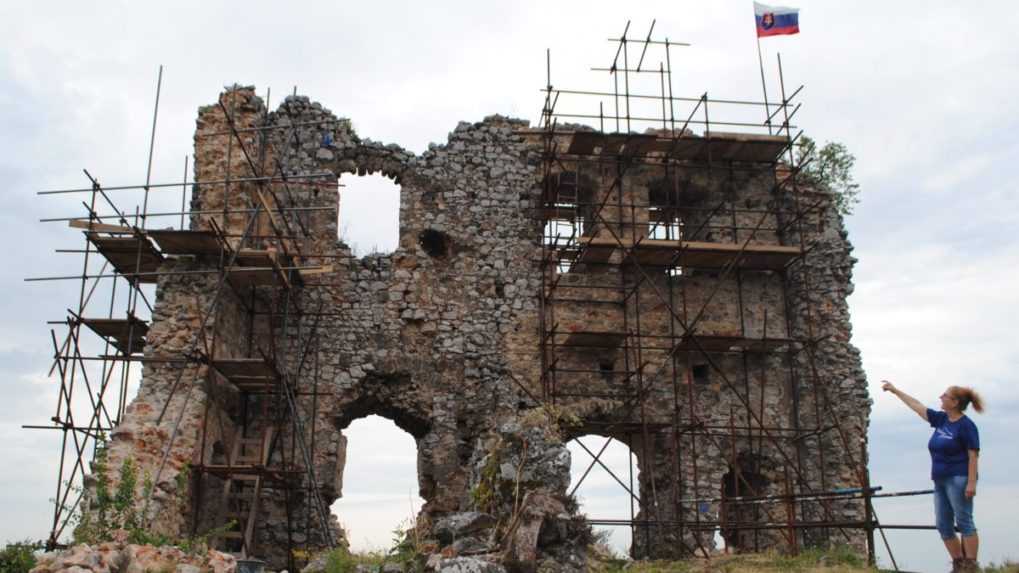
[[606, 368], [701, 373]]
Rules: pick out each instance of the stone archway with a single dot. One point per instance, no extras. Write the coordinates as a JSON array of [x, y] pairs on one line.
[[380, 489], [604, 479], [397, 396]]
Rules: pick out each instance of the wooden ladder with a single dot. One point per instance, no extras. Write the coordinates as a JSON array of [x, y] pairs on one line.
[[242, 491]]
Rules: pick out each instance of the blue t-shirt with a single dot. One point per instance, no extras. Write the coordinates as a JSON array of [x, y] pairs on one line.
[[950, 444]]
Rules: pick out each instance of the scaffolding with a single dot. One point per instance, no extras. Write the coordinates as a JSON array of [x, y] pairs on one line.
[[616, 259], [642, 253], [268, 268]]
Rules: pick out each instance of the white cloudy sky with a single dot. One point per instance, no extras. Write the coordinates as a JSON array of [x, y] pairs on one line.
[[921, 92]]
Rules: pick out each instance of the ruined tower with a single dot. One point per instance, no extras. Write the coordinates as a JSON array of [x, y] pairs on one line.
[[677, 288]]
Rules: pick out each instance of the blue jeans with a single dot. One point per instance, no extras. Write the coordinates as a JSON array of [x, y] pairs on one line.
[[951, 507]]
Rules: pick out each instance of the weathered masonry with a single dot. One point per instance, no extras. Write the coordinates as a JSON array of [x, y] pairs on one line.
[[680, 289]]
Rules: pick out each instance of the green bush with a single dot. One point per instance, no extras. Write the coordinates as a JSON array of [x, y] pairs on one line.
[[405, 552], [115, 509], [830, 167], [341, 560], [118, 509], [18, 557]]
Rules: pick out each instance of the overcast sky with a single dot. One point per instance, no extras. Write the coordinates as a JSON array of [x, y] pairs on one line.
[[923, 93]]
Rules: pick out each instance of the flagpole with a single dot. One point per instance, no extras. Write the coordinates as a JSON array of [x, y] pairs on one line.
[[764, 86]]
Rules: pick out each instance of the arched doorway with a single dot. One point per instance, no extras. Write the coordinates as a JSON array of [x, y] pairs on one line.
[[604, 479], [743, 480], [380, 483]]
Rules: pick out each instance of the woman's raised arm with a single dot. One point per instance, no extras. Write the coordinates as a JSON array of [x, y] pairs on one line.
[[908, 400]]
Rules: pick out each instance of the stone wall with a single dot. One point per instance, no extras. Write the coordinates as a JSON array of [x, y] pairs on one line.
[[442, 337]]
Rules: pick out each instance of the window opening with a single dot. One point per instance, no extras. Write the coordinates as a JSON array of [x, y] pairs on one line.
[[566, 221], [663, 224], [369, 214]]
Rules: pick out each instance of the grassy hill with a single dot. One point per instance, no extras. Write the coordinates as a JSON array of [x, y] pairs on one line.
[[838, 560]]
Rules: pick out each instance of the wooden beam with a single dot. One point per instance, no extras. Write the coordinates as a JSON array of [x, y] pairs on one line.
[[99, 227], [315, 270]]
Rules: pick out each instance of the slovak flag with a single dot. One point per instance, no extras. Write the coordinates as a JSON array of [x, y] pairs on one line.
[[776, 20]]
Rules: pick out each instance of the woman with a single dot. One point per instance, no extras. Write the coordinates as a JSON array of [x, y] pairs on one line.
[[954, 447]]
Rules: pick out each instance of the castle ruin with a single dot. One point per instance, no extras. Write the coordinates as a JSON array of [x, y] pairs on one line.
[[678, 288]]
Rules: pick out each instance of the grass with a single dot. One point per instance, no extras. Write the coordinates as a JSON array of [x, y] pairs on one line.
[[836, 560], [1008, 566], [340, 560], [407, 552]]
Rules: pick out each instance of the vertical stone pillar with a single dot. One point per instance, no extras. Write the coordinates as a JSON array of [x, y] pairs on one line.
[[831, 381], [229, 153], [164, 429]]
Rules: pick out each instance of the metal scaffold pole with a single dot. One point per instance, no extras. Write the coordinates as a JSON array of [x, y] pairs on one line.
[[630, 243], [133, 254]]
